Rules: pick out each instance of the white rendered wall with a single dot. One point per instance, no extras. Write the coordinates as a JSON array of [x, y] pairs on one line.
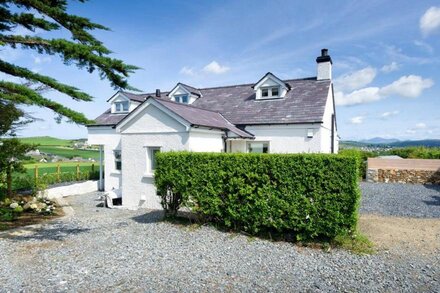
[[201, 140], [150, 128], [324, 71], [326, 128], [111, 140], [284, 138]]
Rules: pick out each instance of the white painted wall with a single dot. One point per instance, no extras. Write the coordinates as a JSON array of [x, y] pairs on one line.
[[324, 71], [326, 133], [111, 140], [137, 184], [201, 140], [283, 138]]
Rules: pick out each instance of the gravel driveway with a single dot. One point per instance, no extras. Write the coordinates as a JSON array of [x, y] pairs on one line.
[[100, 250], [406, 200]]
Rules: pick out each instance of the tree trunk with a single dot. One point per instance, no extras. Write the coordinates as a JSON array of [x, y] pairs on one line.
[[9, 181]]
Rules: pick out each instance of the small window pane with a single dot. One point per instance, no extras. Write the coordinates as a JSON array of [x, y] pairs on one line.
[[125, 106], [118, 161], [274, 91], [258, 147], [264, 92], [177, 99], [185, 99]]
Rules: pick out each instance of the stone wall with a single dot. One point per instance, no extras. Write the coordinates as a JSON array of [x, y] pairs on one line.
[[404, 171]]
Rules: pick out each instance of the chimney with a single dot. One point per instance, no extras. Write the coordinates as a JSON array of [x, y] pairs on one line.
[[324, 65], [158, 93]]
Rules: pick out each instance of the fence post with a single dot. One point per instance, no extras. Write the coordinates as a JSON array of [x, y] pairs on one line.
[[58, 173], [77, 172], [36, 175]]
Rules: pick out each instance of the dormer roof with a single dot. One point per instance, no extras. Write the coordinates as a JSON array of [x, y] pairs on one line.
[[189, 89], [274, 78]]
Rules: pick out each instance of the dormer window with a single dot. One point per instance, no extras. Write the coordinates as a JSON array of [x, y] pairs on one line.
[[270, 92], [122, 106], [270, 87], [181, 99]]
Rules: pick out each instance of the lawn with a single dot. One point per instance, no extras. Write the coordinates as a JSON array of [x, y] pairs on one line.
[[64, 167], [69, 152], [47, 140]]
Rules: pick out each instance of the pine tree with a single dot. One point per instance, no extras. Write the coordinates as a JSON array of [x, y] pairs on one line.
[[82, 49]]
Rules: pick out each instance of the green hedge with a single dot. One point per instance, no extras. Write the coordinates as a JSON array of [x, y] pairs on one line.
[[311, 195]]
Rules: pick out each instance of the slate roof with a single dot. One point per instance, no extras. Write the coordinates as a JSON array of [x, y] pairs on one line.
[[304, 103], [202, 117]]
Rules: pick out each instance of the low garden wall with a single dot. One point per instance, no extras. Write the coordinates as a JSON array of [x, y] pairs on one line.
[[309, 195], [71, 189], [403, 171]]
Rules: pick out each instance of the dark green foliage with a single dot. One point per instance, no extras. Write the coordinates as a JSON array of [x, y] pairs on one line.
[[417, 152], [83, 50], [361, 158], [308, 195]]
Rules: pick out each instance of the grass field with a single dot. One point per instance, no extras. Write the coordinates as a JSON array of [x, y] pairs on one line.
[[69, 152], [47, 140], [64, 167]]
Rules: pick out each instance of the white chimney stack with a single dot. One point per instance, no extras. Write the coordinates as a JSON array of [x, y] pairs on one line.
[[324, 65]]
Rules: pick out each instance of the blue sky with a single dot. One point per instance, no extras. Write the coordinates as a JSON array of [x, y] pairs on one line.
[[386, 62]]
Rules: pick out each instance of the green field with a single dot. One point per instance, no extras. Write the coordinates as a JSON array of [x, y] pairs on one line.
[[60, 147], [64, 167], [69, 152], [47, 140]]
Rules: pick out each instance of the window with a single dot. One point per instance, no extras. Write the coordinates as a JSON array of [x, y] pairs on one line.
[[310, 132], [181, 99], [258, 147], [151, 159], [121, 106], [118, 162], [270, 92]]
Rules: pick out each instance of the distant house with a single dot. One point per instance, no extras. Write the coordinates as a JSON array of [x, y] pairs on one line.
[[270, 115]]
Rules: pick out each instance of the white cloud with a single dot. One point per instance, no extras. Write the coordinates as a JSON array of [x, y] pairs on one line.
[[420, 125], [41, 59], [430, 21], [355, 80], [393, 66], [409, 86], [357, 120], [365, 95], [424, 46], [410, 131], [387, 115], [187, 71], [215, 68]]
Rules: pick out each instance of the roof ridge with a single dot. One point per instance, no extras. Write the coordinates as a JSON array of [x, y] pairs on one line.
[[186, 105]]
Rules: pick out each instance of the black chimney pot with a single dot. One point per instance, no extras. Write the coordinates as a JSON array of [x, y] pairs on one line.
[[158, 93], [325, 57]]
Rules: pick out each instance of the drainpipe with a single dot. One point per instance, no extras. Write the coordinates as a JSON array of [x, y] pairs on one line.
[[224, 142], [101, 171], [333, 134]]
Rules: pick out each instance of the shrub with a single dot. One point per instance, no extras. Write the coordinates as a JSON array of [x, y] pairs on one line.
[[417, 152], [310, 195], [361, 158]]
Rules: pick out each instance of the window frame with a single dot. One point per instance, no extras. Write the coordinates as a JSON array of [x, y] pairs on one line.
[[181, 98], [117, 160], [119, 106], [269, 92], [151, 163], [249, 143]]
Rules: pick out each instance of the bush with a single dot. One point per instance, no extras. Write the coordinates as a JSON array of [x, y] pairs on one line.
[[417, 152], [310, 195], [361, 158]]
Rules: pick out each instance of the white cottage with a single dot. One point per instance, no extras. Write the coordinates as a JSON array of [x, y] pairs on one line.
[[269, 116]]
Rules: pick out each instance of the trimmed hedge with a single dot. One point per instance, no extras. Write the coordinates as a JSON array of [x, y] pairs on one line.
[[311, 195]]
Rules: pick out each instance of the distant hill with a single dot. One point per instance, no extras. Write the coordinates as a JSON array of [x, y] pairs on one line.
[[424, 142], [48, 141], [380, 140]]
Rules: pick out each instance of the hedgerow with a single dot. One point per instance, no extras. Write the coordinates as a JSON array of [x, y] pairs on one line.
[[310, 195]]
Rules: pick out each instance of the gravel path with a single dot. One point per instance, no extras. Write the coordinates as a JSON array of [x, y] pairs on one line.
[[405, 200], [105, 250]]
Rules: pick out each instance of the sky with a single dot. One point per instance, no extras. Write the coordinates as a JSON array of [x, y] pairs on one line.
[[386, 61]]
